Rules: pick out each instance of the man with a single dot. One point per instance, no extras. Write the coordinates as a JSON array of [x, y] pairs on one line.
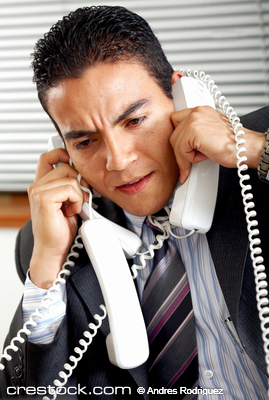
[[104, 81]]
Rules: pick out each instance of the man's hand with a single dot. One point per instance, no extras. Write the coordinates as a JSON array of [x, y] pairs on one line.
[[55, 200], [202, 133]]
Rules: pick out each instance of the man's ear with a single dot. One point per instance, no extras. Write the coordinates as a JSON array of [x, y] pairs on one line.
[[176, 75]]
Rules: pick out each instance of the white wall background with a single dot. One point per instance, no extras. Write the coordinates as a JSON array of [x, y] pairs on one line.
[[10, 285]]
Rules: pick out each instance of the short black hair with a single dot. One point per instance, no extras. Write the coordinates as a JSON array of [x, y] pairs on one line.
[[94, 35]]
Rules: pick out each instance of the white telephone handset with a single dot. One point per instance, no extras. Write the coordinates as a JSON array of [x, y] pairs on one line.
[[127, 342], [194, 201]]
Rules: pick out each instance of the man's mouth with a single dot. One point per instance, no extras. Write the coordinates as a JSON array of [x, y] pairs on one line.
[[134, 182], [135, 186]]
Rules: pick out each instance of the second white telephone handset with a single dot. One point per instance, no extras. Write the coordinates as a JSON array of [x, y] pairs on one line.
[[195, 200]]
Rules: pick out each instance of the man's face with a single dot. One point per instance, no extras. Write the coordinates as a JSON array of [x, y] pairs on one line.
[[116, 124]]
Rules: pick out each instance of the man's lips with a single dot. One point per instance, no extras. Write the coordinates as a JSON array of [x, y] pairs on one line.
[[134, 186], [133, 182]]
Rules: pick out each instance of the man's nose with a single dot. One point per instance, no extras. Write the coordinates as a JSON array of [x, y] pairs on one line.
[[120, 152]]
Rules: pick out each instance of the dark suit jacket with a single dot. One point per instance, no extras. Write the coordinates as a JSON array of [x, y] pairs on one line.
[[38, 365]]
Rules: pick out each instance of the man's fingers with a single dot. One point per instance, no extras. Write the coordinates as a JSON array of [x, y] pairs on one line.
[[179, 116], [47, 160], [52, 197], [184, 168], [47, 173]]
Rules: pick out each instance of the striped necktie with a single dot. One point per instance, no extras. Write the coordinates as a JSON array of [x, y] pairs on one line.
[[168, 313]]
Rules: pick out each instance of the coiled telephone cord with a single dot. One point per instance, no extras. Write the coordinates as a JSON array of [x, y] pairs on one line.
[[165, 226], [65, 376], [44, 304], [254, 241]]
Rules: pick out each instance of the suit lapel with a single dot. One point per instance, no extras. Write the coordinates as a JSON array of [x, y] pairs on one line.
[[228, 239], [86, 284]]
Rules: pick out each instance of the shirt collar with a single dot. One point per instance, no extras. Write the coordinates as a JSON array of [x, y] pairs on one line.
[[135, 223]]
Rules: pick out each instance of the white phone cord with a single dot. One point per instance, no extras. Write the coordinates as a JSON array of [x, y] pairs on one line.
[[257, 259], [80, 353], [165, 226], [43, 304]]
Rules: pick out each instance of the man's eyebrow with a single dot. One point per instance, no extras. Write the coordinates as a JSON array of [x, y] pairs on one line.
[[131, 109], [77, 134]]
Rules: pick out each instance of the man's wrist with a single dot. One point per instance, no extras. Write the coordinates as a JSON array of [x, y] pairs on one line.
[[263, 167], [44, 272]]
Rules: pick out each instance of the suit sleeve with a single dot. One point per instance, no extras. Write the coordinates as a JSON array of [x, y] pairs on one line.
[[14, 372], [29, 366], [259, 121]]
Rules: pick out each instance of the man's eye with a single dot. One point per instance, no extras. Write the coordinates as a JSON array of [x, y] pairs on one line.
[[84, 144], [136, 121]]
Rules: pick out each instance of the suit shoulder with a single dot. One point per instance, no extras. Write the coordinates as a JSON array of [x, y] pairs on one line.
[[257, 120]]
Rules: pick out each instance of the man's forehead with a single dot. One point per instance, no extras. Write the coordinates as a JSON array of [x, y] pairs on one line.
[[107, 74]]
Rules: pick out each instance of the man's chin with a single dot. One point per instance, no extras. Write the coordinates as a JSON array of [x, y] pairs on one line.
[[144, 211]]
